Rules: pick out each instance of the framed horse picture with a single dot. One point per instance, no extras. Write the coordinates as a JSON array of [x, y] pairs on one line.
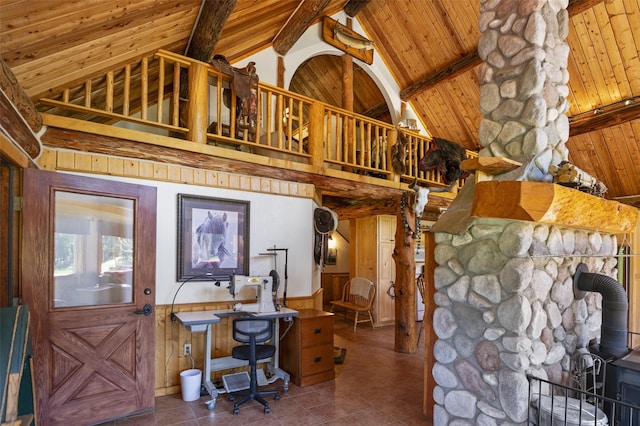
[[213, 237]]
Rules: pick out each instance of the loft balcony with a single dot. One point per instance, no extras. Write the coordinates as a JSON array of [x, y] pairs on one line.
[[191, 111]]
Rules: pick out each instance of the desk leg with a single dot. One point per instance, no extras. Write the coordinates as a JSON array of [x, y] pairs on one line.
[[209, 386], [273, 366]]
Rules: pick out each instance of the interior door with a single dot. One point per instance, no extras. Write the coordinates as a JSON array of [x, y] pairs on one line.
[[88, 278]]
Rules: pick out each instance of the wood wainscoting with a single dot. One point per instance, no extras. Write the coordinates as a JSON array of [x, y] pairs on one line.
[[171, 338], [332, 284]]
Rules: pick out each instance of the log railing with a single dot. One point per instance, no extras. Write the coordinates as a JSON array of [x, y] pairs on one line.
[[193, 101]]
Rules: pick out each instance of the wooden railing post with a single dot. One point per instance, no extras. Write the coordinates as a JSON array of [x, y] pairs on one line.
[[197, 120], [316, 134]]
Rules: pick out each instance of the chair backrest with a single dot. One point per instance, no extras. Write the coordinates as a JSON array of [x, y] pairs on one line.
[[245, 329], [420, 285], [359, 291]]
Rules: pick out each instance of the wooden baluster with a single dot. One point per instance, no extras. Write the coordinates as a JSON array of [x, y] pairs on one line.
[[108, 97], [144, 81], [289, 125], [126, 95], [160, 89], [175, 96], [87, 93], [268, 123]]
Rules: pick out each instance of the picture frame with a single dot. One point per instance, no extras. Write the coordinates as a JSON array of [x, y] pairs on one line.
[[213, 237], [332, 256]]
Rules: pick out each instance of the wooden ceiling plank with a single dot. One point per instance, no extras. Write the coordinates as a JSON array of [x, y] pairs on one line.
[[73, 34], [614, 173], [598, 58], [610, 33], [80, 24], [625, 166], [213, 17], [91, 52], [65, 71], [578, 98], [582, 55], [625, 22], [306, 12]]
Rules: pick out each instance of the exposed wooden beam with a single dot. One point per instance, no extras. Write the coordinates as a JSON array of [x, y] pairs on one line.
[[607, 118], [211, 20], [354, 6], [17, 140], [350, 199], [452, 70], [14, 93], [352, 209], [578, 6], [306, 12]]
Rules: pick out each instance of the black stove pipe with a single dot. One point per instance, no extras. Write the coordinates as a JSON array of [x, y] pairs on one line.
[[615, 309]]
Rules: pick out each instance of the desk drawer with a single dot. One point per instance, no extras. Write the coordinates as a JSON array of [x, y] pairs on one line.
[[317, 359], [317, 331]]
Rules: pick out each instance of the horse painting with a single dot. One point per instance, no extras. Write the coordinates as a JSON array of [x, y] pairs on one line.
[[209, 241]]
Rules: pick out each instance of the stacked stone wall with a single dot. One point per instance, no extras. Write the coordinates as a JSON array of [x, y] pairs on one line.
[[506, 308], [524, 82]]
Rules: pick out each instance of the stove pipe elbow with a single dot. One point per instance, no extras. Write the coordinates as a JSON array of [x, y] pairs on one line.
[[615, 308]]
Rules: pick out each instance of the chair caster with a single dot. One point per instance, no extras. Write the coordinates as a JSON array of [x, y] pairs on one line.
[[266, 409], [277, 397], [236, 410], [231, 397]]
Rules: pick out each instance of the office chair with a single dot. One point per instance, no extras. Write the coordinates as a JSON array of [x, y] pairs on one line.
[[253, 332]]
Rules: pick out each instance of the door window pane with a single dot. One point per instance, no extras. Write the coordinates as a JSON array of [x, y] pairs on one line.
[[93, 249]]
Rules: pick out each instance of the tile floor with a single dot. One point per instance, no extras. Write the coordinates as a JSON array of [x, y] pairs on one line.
[[374, 386]]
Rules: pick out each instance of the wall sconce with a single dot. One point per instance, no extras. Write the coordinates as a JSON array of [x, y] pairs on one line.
[[332, 243]]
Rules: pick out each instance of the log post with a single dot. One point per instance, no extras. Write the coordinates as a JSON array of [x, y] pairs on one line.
[[316, 134], [405, 287], [198, 102]]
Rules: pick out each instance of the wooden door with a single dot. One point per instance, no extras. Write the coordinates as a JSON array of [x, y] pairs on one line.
[[386, 310], [88, 277]]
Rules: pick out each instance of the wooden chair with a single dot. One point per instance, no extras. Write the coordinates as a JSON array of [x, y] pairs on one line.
[[358, 295]]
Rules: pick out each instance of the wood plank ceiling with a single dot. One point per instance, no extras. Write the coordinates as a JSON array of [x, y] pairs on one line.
[[429, 47]]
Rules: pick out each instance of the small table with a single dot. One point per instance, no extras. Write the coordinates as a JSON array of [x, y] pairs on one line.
[[201, 321]]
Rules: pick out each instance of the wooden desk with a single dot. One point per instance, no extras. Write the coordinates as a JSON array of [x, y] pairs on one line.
[[307, 348]]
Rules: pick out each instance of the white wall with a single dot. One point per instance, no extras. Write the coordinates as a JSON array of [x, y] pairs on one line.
[[284, 222]]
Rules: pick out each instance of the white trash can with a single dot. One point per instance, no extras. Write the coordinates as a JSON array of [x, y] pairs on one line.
[[190, 381]]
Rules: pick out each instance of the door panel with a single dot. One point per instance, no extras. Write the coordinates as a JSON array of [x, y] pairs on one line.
[[88, 256]]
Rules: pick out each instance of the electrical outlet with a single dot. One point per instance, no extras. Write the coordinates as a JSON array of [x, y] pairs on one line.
[[187, 348]]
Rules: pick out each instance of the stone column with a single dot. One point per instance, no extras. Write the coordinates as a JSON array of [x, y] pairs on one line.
[[524, 82], [503, 287]]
